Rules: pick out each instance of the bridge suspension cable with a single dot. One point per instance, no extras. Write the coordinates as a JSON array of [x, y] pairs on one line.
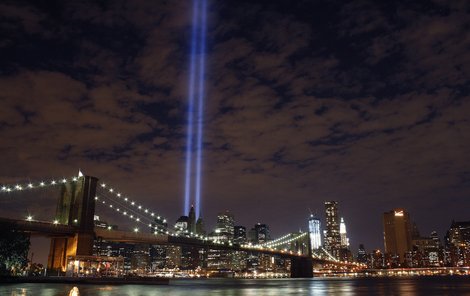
[[129, 204], [331, 257], [283, 240], [35, 185], [131, 215]]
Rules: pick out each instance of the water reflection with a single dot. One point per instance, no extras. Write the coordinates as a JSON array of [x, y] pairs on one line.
[[317, 287]]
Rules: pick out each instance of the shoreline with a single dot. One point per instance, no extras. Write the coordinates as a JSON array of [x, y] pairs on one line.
[[86, 280]]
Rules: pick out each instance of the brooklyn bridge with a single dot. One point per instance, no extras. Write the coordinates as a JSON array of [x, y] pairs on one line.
[[74, 233]]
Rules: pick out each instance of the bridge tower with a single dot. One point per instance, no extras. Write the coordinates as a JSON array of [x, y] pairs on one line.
[[75, 207], [302, 267]]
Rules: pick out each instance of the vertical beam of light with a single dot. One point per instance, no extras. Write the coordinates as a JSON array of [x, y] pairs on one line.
[[200, 108], [189, 136]]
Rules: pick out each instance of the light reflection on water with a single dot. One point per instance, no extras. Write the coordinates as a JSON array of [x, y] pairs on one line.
[[228, 287]]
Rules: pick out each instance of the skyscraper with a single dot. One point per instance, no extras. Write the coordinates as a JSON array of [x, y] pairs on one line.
[[239, 235], [262, 233], [192, 220], [343, 234], [200, 229], [361, 254], [332, 234], [315, 233], [224, 229], [397, 233], [457, 242]]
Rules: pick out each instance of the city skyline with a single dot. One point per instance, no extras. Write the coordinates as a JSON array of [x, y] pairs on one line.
[[76, 209], [365, 104]]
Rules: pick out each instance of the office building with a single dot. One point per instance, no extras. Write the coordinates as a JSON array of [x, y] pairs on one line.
[[192, 220], [314, 225], [262, 233], [343, 234], [332, 231], [239, 236], [397, 233], [224, 229], [457, 243]]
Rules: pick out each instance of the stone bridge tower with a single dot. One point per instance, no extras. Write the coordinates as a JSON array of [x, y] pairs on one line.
[[76, 208]]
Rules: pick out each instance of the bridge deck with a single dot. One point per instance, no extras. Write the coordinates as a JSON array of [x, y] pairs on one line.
[[40, 227]]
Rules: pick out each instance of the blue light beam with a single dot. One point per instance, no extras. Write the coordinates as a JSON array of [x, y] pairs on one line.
[[189, 135], [200, 108]]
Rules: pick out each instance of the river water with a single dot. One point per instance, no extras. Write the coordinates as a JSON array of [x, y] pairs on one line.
[[230, 287]]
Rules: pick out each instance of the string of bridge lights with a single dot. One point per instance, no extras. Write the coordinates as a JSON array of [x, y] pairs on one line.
[[130, 213], [280, 241], [34, 185], [129, 208], [276, 240], [131, 216], [132, 202]]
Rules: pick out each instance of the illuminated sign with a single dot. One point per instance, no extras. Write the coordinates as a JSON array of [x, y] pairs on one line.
[[399, 213]]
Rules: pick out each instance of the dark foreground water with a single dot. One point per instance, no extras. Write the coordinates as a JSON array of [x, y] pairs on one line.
[[229, 287]]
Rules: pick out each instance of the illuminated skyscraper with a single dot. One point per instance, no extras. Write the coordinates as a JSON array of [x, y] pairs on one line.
[[224, 229], [315, 233], [262, 233], [397, 233], [332, 235], [343, 234]]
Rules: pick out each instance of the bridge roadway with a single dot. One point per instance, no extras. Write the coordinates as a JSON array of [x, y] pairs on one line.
[[301, 265], [51, 229], [57, 230], [163, 239]]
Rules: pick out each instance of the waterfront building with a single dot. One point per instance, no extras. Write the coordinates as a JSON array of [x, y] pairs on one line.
[[361, 254], [219, 259], [239, 260], [173, 257], [190, 258], [140, 258], [104, 248], [397, 233], [426, 251], [457, 243], [375, 260], [157, 257]]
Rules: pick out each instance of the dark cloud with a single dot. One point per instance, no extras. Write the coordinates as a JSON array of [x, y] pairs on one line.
[[365, 103]]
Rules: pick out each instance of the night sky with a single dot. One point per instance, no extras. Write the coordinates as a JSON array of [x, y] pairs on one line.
[[363, 102]]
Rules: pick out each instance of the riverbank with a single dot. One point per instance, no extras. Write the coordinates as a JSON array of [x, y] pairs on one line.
[[86, 280]]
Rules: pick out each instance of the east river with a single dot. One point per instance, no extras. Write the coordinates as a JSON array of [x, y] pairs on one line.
[[445, 285]]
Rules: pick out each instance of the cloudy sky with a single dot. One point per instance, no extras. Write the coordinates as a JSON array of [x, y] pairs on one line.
[[363, 102]]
